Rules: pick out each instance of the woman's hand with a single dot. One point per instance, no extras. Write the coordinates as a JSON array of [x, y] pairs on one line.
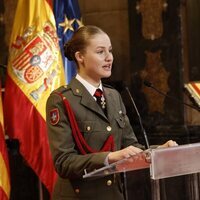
[[169, 143], [124, 153]]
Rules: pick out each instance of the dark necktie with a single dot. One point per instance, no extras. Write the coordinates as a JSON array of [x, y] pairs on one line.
[[99, 99]]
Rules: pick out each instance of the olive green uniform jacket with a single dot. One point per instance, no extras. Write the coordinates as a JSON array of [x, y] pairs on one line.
[[95, 127]]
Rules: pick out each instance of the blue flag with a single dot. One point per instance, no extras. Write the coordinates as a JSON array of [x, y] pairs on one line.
[[68, 19]]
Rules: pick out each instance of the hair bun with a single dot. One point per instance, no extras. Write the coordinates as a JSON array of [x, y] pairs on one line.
[[68, 51]]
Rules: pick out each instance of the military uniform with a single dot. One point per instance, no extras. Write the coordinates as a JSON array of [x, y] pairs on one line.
[[95, 127]]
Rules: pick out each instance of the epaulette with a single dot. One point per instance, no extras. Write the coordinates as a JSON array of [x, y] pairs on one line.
[[61, 89]]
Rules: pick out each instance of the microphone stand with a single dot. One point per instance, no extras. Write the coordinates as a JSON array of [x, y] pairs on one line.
[[145, 137], [140, 120], [150, 85]]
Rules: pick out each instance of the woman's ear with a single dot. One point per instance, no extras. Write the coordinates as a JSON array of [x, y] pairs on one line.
[[79, 57]]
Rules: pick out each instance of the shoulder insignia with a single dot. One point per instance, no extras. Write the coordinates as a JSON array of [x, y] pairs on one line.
[[61, 89], [65, 88], [54, 116]]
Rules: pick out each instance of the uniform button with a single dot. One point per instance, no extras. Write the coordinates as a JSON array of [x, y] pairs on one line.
[[109, 183], [109, 128], [77, 90], [120, 112], [88, 128], [77, 190]]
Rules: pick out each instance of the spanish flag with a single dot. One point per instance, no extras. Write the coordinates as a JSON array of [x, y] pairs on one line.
[[4, 167], [34, 70]]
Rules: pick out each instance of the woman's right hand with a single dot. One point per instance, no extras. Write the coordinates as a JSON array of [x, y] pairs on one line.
[[124, 153]]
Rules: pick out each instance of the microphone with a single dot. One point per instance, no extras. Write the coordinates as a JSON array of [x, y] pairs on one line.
[[140, 120], [150, 85]]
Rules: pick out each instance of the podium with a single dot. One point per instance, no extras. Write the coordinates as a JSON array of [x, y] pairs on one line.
[[162, 162]]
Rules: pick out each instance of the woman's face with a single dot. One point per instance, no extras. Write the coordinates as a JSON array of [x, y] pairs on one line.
[[96, 61]]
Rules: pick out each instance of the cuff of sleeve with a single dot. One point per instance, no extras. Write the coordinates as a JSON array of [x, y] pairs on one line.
[[106, 163]]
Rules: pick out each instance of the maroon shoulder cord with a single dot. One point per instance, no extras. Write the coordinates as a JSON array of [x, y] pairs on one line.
[[82, 145]]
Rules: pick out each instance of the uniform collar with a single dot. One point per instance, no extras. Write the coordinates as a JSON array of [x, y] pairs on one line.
[[90, 88]]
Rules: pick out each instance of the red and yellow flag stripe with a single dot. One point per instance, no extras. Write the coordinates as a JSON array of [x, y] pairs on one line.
[[4, 168]]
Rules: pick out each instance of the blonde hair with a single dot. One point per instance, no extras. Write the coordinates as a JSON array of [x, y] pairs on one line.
[[80, 40]]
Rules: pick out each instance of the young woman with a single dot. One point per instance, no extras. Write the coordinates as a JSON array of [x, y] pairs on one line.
[[89, 129]]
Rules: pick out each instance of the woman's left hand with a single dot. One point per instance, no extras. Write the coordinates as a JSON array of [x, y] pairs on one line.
[[169, 143]]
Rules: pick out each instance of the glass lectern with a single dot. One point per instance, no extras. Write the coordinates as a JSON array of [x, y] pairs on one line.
[[163, 162]]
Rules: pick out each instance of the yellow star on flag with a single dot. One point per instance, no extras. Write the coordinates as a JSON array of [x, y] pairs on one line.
[[67, 24], [79, 22]]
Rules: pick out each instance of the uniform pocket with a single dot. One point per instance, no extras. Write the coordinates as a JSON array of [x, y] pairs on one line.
[[94, 133], [86, 126], [121, 122]]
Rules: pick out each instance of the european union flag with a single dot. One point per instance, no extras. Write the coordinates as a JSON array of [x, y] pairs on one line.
[[68, 19]]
